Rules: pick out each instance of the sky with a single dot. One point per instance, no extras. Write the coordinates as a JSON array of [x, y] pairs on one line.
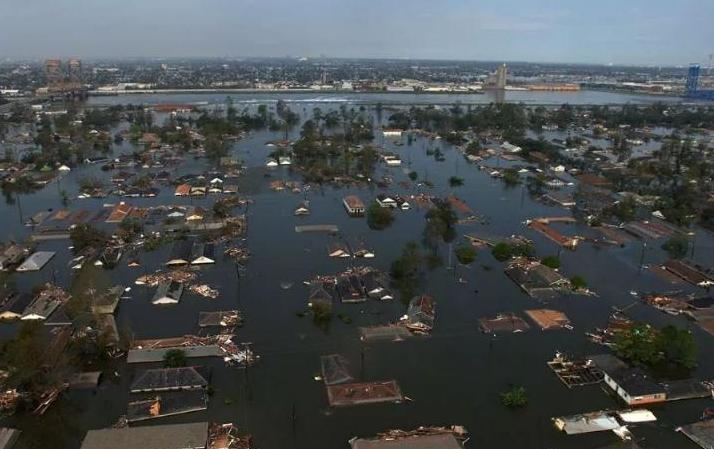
[[635, 32]]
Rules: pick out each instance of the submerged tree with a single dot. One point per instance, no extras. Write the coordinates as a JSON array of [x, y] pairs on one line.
[[379, 217], [516, 397], [175, 358]]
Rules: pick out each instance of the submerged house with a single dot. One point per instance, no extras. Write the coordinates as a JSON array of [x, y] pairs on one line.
[[45, 303], [169, 379], [180, 253], [202, 253], [350, 289], [13, 304], [374, 286], [36, 261], [11, 255], [168, 293], [302, 209], [353, 205], [386, 201], [168, 436], [421, 314], [107, 302], [319, 293], [632, 385], [536, 279]]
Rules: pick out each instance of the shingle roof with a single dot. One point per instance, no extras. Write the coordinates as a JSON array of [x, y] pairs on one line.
[[172, 436]]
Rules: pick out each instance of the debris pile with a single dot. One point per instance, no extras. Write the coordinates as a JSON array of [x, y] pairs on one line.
[[226, 318], [180, 276], [204, 290], [225, 436], [459, 432], [237, 253]]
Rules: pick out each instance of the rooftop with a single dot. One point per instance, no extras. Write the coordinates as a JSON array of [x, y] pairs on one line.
[[172, 436]]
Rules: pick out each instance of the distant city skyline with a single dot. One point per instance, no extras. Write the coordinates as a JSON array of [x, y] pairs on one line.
[[638, 32]]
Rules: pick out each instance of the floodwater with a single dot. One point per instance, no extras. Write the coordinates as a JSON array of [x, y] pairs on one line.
[[583, 97], [453, 377]]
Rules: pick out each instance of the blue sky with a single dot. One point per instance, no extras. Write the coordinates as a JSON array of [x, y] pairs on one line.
[[605, 31]]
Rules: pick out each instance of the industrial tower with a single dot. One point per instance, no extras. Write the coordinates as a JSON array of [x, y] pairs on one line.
[[692, 87]]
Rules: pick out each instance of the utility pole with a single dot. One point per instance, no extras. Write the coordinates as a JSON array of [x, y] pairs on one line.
[[293, 421], [361, 358]]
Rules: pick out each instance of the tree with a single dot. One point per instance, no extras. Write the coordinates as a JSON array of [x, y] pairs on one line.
[[676, 246], [455, 181], [222, 209], [129, 228], [637, 345], [677, 347], [551, 262], [175, 358], [405, 270], [503, 251], [84, 235], [321, 312], [378, 217], [215, 148], [26, 358], [414, 175], [511, 177], [516, 397], [465, 254], [578, 283]]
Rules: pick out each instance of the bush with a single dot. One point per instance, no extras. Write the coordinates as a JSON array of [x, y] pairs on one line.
[[84, 236], [668, 349], [504, 250], [465, 254], [578, 283], [551, 262], [676, 246], [321, 312], [516, 397], [379, 217], [511, 177]]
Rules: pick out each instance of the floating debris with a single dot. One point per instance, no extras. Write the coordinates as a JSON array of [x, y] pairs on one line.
[[237, 253], [205, 291], [575, 373], [152, 280], [223, 318]]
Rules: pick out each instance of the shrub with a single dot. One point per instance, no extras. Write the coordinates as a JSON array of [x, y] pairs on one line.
[[379, 217], [551, 262], [465, 254], [516, 397], [578, 283], [174, 358]]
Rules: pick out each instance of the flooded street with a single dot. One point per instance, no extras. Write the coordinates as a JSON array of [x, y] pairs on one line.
[[454, 376]]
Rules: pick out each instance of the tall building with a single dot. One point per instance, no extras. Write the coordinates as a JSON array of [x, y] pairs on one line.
[[53, 69], [74, 69], [497, 80], [501, 75]]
